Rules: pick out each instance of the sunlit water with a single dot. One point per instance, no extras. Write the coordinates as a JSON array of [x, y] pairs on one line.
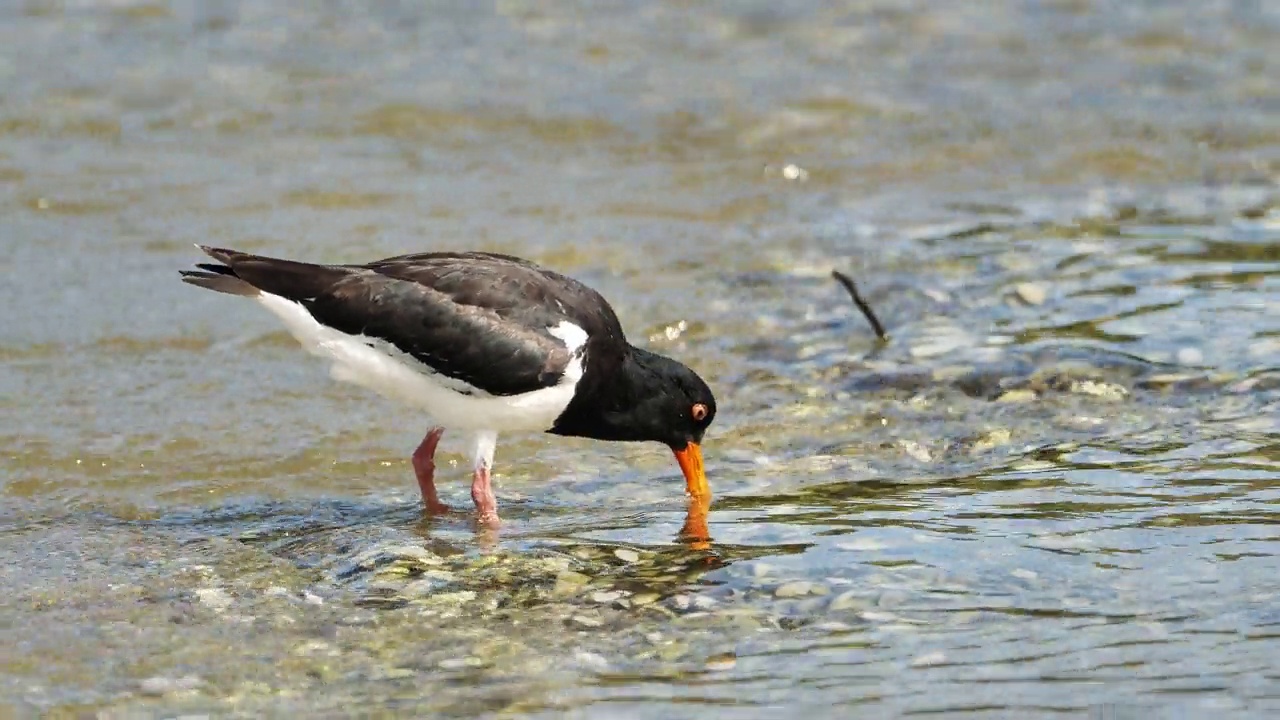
[[1051, 492]]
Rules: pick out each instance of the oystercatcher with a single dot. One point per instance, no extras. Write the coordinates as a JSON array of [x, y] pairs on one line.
[[483, 343]]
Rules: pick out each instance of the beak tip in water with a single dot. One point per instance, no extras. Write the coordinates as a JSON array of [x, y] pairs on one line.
[[695, 478]]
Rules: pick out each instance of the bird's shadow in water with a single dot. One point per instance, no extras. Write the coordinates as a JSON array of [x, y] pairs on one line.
[[316, 534], [524, 524], [289, 529]]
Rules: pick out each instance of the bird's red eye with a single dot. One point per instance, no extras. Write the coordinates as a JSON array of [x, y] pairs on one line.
[[699, 412]]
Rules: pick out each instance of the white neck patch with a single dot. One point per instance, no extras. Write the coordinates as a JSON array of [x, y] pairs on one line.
[[573, 336]]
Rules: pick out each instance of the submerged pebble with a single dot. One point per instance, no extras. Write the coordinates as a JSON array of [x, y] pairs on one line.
[[1017, 395], [423, 587], [458, 597], [645, 598], [1031, 293], [1190, 356], [891, 598], [215, 598], [607, 596], [586, 622], [1103, 390], [593, 661], [929, 659], [991, 440], [570, 582], [161, 685], [878, 616], [848, 600], [760, 570], [703, 602], [313, 647], [796, 588], [413, 552], [917, 451], [721, 662]]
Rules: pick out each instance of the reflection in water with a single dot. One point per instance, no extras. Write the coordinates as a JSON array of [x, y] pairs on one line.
[[695, 531]]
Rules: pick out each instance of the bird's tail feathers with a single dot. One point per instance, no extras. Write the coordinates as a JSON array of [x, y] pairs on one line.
[[247, 274]]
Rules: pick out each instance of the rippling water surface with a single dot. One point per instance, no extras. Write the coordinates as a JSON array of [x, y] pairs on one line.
[[1051, 492]]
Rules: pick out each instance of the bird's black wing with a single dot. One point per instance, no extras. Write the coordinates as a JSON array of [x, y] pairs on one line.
[[481, 319]]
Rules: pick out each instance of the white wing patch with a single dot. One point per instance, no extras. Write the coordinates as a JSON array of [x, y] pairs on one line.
[[383, 368], [573, 337]]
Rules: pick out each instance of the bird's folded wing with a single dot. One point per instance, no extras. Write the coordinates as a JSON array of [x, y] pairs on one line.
[[456, 334]]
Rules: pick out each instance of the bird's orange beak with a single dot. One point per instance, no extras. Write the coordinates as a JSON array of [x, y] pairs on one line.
[[690, 459]]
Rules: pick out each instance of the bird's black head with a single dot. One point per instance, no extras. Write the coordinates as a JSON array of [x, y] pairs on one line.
[[669, 403], [678, 404], [649, 397], [685, 407]]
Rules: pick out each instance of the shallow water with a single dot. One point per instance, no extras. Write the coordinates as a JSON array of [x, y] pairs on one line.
[[1051, 492]]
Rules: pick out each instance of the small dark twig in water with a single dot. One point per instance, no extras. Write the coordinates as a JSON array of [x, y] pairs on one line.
[[847, 282]]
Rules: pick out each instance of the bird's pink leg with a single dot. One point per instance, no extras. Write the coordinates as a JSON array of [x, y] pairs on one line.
[[424, 466], [482, 495], [481, 490]]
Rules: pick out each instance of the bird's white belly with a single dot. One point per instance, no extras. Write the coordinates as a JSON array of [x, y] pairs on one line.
[[378, 366]]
